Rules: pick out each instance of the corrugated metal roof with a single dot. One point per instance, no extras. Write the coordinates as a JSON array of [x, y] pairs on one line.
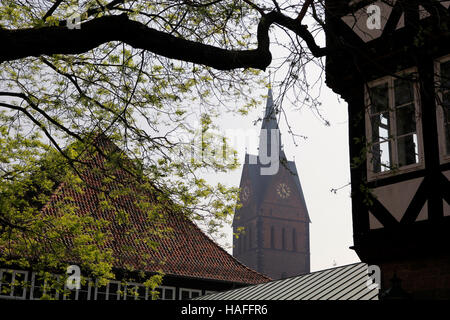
[[341, 283]]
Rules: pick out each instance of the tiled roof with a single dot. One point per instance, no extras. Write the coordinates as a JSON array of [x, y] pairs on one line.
[[341, 283], [184, 249]]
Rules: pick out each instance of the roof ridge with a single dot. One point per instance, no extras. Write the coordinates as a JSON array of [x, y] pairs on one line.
[[53, 195]]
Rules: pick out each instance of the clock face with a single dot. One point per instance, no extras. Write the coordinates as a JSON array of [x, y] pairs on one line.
[[245, 194], [283, 191]]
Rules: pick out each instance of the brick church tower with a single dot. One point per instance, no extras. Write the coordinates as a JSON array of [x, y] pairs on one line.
[[275, 240]]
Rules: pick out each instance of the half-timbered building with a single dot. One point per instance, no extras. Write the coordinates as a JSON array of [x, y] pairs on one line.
[[390, 61]]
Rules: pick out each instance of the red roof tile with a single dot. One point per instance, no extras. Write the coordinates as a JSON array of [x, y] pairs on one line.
[[184, 250]]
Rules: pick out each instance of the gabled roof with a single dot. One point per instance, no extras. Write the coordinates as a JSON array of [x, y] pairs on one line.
[[341, 283], [184, 249]]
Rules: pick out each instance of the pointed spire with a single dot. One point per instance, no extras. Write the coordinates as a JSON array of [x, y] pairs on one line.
[[270, 107], [269, 126]]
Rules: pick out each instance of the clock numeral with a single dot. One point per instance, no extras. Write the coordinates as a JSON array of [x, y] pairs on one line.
[[283, 191]]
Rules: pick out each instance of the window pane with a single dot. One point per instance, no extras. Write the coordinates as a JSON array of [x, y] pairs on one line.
[[446, 107], [19, 284], [6, 283], [380, 127], [379, 98], [130, 292], [403, 91], [38, 287], [195, 294], [155, 294], [381, 157], [169, 294], [408, 152], [447, 139], [101, 293], [445, 75], [184, 295], [84, 292], [141, 291], [294, 240], [114, 291], [272, 237], [445, 72], [70, 294], [406, 120]]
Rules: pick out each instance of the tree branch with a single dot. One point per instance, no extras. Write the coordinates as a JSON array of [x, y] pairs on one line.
[[52, 9], [17, 44], [304, 9]]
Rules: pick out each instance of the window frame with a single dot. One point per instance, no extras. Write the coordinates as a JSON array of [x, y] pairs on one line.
[[443, 157], [294, 240], [129, 285], [272, 237], [163, 292], [44, 289], [371, 175], [77, 291], [13, 277], [190, 292], [107, 293]]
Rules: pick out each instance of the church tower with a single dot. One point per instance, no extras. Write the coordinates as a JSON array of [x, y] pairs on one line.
[[274, 217]]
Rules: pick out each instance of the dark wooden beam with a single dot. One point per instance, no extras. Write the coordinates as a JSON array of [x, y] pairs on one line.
[[417, 203]]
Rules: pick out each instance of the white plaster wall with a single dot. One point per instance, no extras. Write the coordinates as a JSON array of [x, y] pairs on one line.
[[445, 204], [397, 197]]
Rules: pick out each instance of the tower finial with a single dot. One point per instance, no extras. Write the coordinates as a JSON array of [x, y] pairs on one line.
[[270, 80]]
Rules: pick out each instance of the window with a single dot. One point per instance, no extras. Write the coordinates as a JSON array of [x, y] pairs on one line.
[[165, 293], [250, 244], [45, 286], [116, 290], [443, 105], [109, 292], [283, 239], [240, 244], [272, 237], [13, 284], [294, 240], [135, 291], [189, 293], [244, 239], [392, 124], [84, 293]]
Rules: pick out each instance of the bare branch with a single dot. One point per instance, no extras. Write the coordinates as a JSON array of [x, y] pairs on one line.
[[304, 9], [52, 9]]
